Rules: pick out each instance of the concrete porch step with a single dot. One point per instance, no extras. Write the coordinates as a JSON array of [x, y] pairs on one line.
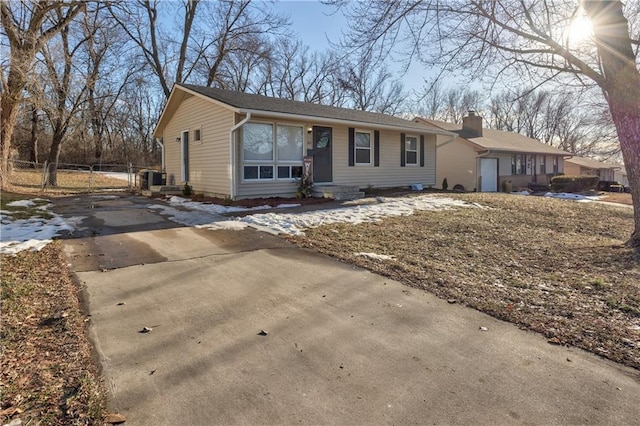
[[338, 192], [163, 190]]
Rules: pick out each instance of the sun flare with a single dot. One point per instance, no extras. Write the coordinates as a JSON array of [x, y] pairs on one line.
[[580, 30]]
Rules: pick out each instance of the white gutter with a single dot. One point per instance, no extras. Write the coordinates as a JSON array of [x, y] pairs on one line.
[[232, 156], [317, 119]]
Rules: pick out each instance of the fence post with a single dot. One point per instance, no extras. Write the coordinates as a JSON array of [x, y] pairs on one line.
[[90, 179]]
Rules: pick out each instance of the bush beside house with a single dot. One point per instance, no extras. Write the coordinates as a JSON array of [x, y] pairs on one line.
[[574, 183]]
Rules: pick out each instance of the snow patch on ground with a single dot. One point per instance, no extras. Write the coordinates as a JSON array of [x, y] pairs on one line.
[[375, 256], [33, 233], [24, 203], [209, 216], [574, 197]]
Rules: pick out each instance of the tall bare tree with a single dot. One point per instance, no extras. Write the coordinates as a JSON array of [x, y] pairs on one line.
[[27, 25], [164, 54], [539, 40]]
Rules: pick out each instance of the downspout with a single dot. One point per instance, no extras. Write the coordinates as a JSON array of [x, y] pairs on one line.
[[232, 156], [161, 145]]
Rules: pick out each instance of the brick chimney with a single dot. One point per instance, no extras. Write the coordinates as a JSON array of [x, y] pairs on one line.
[[471, 125]]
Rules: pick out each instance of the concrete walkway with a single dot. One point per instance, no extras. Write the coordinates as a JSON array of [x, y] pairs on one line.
[[343, 346]]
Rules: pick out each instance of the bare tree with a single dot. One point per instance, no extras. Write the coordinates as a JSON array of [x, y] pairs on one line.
[[165, 55], [27, 25], [369, 85], [530, 37]]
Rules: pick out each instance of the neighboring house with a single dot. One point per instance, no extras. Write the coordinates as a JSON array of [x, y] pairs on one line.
[[577, 166], [489, 160], [239, 145]]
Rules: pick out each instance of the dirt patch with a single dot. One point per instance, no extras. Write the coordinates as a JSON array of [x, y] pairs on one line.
[[48, 375], [553, 266]]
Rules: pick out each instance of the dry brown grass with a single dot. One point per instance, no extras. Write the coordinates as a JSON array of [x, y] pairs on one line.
[[48, 376], [30, 181], [616, 197], [552, 266]]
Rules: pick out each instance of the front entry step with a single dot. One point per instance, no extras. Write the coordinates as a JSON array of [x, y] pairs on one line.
[[338, 192]]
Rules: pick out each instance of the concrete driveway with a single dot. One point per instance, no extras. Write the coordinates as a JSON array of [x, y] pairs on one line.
[[343, 345]]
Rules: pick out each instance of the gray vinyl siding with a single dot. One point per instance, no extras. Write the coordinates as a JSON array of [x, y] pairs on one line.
[[389, 173], [209, 158]]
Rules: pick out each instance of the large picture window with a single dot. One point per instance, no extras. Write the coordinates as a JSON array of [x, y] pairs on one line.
[[363, 147], [518, 164], [411, 150], [272, 151]]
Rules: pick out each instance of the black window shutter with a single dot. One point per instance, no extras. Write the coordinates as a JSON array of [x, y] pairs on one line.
[[402, 150], [376, 148], [421, 150], [352, 148]]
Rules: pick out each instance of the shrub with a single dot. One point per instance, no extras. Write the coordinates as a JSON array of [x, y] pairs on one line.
[[187, 191], [574, 183], [305, 187], [445, 184]]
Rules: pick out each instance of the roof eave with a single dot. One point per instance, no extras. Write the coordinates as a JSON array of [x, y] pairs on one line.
[[316, 119]]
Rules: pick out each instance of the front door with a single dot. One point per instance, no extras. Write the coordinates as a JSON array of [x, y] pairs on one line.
[[322, 158], [488, 174], [184, 154]]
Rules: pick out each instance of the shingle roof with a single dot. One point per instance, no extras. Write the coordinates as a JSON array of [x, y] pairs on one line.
[[256, 103], [592, 164], [498, 140]]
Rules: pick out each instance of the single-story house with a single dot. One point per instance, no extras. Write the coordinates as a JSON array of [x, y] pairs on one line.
[[239, 145], [488, 160], [577, 166]]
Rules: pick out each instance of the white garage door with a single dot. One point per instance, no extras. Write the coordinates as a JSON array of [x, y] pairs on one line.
[[488, 174]]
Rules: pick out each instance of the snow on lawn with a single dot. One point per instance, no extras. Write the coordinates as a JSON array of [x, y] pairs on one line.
[[296, 223], [575, 197], [205, 215], [33, 233]]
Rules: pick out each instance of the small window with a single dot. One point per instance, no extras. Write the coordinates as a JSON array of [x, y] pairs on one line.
[[555, 164], [258, 172], [363, 147], [197, 135], [543, 165], [289, 172], [411, 150]]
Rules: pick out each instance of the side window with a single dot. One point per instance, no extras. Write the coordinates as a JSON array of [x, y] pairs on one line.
[[363, 147], [411, 150], [197, 135]]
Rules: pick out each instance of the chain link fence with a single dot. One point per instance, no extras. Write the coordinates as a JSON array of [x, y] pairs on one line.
[[30, 176]]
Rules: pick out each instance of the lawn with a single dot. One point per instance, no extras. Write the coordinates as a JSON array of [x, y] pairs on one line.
[[30, 181], [48, 375], [553, 266]]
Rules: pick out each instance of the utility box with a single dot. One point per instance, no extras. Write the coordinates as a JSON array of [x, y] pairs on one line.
[[149, 178]]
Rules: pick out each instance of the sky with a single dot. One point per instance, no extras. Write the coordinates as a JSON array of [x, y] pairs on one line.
[[316, 25]]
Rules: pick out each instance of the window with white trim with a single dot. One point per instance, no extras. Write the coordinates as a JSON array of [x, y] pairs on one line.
[[518, 164], [363, 147], [543, 164], [411, 150], [555, 164], [197, 135], [271, 151]]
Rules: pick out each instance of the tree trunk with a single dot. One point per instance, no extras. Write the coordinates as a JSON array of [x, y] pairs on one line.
[[9, 102], [54, 155], [621, 88], [33, 144]]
